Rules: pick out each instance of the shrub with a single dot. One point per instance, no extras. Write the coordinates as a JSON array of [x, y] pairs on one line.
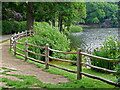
[[9, 27], [76, 29], [66, 32], [109, 50], [46, 34], [11, 15]]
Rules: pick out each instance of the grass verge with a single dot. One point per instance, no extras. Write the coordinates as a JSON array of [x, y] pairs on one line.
[[76, 28], [4, 41]]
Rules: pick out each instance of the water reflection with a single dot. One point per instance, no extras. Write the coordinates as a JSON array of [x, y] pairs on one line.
[[91, 38]]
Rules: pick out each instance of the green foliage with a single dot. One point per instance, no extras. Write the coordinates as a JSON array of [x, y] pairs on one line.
[[95, 20], [72, 57], [74, 12], [48, 11], [13, 6], [9, 27], [46, 34], [109, 50], [81, 13], [118, 73], [99, 11], [66, 32], [76, 29], [12, 15]]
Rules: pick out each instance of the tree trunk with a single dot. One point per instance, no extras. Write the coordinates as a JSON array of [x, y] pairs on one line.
[[60, 22], [30, 17], [53, 23]]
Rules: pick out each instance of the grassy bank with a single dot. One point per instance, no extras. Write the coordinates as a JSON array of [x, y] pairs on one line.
[[76, 28], [85, 82], [4, 41]]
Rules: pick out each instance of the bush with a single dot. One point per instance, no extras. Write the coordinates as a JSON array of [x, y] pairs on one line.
[[10, 27], [76, 29], [11, 15], [109, 50], [46, 34]]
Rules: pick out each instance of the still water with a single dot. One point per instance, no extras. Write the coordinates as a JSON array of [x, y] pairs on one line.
[[91, 38]]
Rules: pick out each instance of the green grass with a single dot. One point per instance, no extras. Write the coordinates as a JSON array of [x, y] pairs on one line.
[[85, 82], [4, 68], [4, 41], [85, 26], [30, 80], [76, 28]]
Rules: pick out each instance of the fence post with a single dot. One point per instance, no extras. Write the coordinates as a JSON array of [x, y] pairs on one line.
[[79, 65], [26, 48], [30, 32], [26, 33], [10, 43], [18, 35], [22, 34], [15, 46], [15, 36], [47, 56]]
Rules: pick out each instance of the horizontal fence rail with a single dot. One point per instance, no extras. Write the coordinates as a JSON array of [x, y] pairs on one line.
[[20, 43], [20, 54], [62, 60], [63, 68], [35, 53], [20, 49], [61, 51], [35, 45], [16, 37], [100, 58], [104, 69], [36, 60], [102, 79]]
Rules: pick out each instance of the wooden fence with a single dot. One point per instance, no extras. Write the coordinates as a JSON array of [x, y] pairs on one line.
[[16, 37]]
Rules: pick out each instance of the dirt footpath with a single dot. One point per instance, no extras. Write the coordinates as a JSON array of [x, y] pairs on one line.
[[25, 68]]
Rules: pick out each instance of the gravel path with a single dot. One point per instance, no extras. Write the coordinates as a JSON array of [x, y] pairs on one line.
[[25, 68]]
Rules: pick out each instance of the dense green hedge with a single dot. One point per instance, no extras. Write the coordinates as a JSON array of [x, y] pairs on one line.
[[10, 27]]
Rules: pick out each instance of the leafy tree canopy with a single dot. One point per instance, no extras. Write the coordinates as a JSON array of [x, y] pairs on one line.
[[101, 11]]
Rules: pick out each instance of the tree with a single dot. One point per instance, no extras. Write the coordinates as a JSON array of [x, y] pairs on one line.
[[98, 12], [119, 17], [52, 11], [30, 16], [94, 11], [63, 12], [77, 13], [81, 13], [68, 12]]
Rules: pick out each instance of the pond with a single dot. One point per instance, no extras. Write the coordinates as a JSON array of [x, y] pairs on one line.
[[91, 38]]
